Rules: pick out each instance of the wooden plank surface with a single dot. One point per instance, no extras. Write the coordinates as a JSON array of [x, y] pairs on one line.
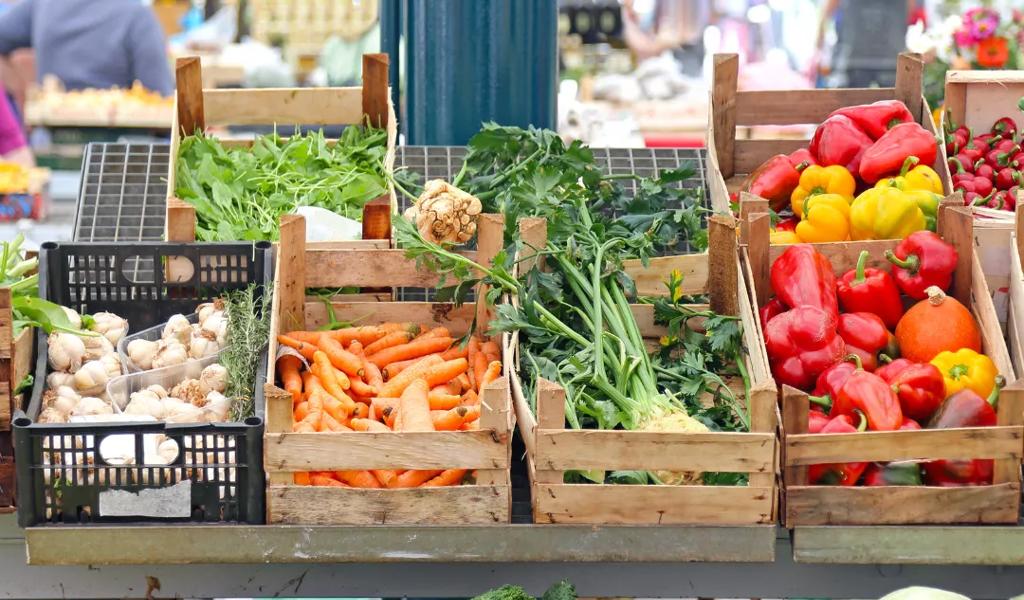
[[909, 82], [751, 153], [6, 324], [455, 505], [949, 444], [993, 342], [723, 258], [978, 98], [832, 505], [800, 107], [189, 101], [456, 319], [385, 450], [906, 545], [292, 273], [650, 280], [651, 504], [726, 71], [843, 255], [359, 267], [181, 221], [375, 89], [613, 450], [285, 106]]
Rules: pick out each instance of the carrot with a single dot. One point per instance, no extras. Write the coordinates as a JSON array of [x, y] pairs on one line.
[[301, 410], [367, 425], [443, 400], [358, 479], [465, 383], [472, 413], [448, 420], [332, 424], [340, 410], [362, 410], [413, 479], [490, 347], [395, 338], [288, 367], [446, 478], [453, 388], [385, 476], [470, 425], [436, 332], [303, 427], [470, 398], [479, 368], [391, 417], [413, 349], [372, 374], [304, 348], [493, 372], [456, 351], [361, 388], [471, 352], [381, 404], [445, 371], [301, 479], [366, 334], [325, 481], [414, 409], [310, 337], [315, 403], [327, 375], [393, 388], [341, 358], [389, 372]]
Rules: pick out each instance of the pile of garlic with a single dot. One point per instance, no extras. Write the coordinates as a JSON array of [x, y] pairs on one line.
[[190, 401], [180, 340], [82, 365]]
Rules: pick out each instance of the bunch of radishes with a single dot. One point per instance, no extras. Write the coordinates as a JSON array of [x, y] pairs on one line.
[[987, 168]]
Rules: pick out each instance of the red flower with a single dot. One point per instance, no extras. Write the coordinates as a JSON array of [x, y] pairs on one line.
[[993, 52]]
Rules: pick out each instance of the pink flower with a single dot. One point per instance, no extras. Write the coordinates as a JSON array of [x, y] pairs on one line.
[[982, 22], [963, 38]]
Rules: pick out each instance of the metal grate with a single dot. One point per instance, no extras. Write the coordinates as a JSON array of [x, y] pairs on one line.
[[123, 193]]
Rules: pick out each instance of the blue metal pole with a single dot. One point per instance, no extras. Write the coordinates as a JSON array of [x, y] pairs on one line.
[[471, 61], [390, 35]]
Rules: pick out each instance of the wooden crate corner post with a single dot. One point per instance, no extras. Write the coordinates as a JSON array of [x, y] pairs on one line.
[[723, 101], [723, 276], [375, 89]]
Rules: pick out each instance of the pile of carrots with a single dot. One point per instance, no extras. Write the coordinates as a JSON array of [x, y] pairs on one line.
[[385, 378]]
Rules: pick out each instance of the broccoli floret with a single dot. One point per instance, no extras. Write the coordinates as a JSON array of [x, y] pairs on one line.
[[563, 590], [506, 592]]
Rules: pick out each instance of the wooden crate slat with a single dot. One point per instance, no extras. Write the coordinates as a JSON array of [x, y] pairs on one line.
[[650, 280], [456, 505], [843, 255], [751, 153], [290, 106], [355, 267], [652, 504], [948, 444], [889, 505], [292, 452], [456, 319], [800, 107], [595, 449]]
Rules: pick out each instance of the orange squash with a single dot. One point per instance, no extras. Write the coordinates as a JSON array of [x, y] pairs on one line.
[[936, 324]]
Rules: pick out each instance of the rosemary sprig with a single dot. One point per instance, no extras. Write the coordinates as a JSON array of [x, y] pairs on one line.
[[248, 330]]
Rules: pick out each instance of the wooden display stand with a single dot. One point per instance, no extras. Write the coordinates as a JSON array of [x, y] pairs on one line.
[[370, 263], [553, 449]]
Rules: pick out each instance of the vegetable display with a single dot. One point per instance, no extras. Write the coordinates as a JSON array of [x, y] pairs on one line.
[[877, 150], [239, 192], [383, 378], [575, 324], [987, 167], [851, 363]]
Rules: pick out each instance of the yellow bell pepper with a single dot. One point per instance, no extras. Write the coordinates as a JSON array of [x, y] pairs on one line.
[[784, 237], [928, 202], [966, 369], [921, 177], [816, 179], [826, 218], [885, 214]]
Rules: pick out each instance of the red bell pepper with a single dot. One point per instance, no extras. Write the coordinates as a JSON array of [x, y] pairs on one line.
[[839, 141], [802, 276], [801, 159], [1007, 177], [870, 290], [1011, 198], [919, 387], [1001, 158], [770, 310], [774, 181], [901, 473], [910, 425], [964, 409], [845, 474], [985, 170], [972, 151], [871, 395], [816, 421], [959, 165], [877, 118], [885, 157], [866, 336], [979, 185], [801, 343], [922, 260], [1005, 127], [788, 224], [830, 381]]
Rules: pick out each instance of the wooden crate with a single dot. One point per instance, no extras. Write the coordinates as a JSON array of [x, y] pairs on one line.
[[977, 99], [730, 160], [552, 448], [16, 354], [488, 450], [197, 108], [831, 505]]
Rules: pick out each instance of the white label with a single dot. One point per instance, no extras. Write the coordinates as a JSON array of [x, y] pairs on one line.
[[167, 502]]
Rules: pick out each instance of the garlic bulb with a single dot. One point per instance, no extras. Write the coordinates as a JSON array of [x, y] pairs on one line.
[[92, 378], [63, 400], [92, 406], [217, 324], [58, 379], [112, 362], [205, 310], [73, 316], [217, 407], [65, 351], [170, 352], [203, 343], [52, 415], [167, 451], [109, 326], [215, 377], [444, 214], [192, 391], [182, 412], [177, 328], [145, 403], [159, 390], [96, 347], [141, 353]]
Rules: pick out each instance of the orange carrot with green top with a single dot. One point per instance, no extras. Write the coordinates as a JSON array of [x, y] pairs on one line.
[[413, 349], [341, 358], [304, 348], [395, 338], [446, 478], [366, 334], [393, 387]]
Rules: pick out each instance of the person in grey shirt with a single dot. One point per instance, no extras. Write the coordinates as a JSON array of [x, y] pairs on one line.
[[90, 43]]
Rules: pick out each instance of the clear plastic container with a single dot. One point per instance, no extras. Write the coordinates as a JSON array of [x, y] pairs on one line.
[[151, 334], [120, 389]]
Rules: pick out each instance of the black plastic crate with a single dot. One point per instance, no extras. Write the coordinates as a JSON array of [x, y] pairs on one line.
[[217, 475]]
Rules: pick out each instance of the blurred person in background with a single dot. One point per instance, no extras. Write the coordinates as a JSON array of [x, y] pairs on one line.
[[13, 146], [90, 43], [677, 25], [869, 36]]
